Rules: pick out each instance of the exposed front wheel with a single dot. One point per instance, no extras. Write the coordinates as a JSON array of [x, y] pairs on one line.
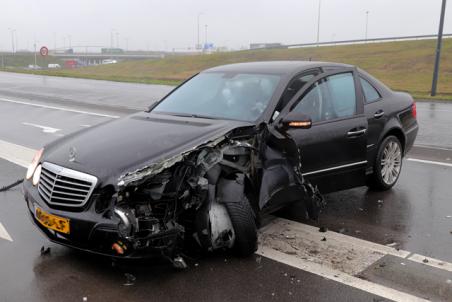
[[242, 219], [388, 164]]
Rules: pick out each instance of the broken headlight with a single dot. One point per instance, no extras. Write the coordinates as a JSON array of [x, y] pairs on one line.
[[127, 222]]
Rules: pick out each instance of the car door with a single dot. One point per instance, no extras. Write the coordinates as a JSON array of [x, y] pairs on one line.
[[333, 150], [376, 116]]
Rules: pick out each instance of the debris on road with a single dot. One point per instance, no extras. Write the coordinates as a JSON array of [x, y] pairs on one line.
[[45, 251], [425, 260], [309, 245], [392, 244], [323, 229], [179, 263], [130, 279]]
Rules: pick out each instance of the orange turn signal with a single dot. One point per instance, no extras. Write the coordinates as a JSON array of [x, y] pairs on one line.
[[301, 124]]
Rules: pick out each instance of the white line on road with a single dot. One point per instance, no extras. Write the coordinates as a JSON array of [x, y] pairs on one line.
[[432, 147], [16, 154], [57, 108], [4, 234], [45, 129], [331, 274], [333, 255], [430, 162]]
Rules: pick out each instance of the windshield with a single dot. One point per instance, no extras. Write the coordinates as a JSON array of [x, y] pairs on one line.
[[222, 95]]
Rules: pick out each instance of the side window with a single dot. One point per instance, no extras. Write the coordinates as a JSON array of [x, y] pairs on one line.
[[313, 103], [330, 98], [370, 92], [341, 88], [295, 86]]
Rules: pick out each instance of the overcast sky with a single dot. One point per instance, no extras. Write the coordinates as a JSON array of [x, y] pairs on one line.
[[168, 24]]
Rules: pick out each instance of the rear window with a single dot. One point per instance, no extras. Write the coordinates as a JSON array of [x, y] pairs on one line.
[[371, 94]]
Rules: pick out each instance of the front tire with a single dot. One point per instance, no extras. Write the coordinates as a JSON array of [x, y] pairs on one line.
[[387, 165], [242, 220]]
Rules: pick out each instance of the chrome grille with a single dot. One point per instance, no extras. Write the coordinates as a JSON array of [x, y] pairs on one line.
[[65, 187]]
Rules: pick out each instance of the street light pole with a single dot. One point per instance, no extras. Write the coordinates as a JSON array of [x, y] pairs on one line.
[[112, 43], [205, 43], [318, 23], [438, 49], [12, 39], [198, 45], [34, 67], [367, 23]]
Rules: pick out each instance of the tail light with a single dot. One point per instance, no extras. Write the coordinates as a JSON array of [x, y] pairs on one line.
[[414, 110]]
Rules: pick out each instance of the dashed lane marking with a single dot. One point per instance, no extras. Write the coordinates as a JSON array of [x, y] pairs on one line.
[[58, 108], [430, 162]]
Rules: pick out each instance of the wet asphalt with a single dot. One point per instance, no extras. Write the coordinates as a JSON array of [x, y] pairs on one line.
[[416, 215]]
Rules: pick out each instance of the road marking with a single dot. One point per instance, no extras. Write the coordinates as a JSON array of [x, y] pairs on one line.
[[333, 255], [4, 234], [432, 147], [16, 154], [337, 276], [431, 162], [58, 108], [45, 129], [431, 262]]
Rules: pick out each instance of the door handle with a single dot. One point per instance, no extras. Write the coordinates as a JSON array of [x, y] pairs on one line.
[[379, 114], [354, 133]]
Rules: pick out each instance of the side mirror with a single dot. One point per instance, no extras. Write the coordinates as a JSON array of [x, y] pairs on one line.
[[296, 120]]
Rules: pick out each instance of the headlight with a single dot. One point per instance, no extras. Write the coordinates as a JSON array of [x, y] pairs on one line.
[[37, 175], [34, 164]]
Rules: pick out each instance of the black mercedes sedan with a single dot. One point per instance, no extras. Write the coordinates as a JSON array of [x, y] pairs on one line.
[[205, 163]]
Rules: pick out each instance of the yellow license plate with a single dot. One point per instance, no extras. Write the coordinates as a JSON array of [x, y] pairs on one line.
[[53, 222]]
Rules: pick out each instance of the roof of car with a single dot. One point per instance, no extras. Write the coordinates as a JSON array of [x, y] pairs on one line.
[[277, 67]]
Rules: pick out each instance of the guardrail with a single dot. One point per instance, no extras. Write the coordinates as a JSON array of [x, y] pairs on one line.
[[358, 41]]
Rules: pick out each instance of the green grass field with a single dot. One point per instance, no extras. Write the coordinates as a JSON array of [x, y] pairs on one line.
[[405, 66]]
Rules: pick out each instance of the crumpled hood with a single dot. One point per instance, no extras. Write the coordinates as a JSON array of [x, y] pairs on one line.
[[112, 149]]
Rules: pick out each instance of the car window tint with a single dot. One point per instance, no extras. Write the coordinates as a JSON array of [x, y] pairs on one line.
[[295, 86], [313, 103], [370, 92], [330, 98], [341, 88]]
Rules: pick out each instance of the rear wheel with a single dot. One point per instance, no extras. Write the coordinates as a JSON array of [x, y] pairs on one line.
[[242, 220], [388, 164]]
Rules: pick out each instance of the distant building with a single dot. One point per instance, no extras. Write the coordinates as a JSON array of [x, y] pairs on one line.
[[265, 45]]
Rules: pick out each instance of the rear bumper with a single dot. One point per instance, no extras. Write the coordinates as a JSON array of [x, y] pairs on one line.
[[410, 136], [89, 231]]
